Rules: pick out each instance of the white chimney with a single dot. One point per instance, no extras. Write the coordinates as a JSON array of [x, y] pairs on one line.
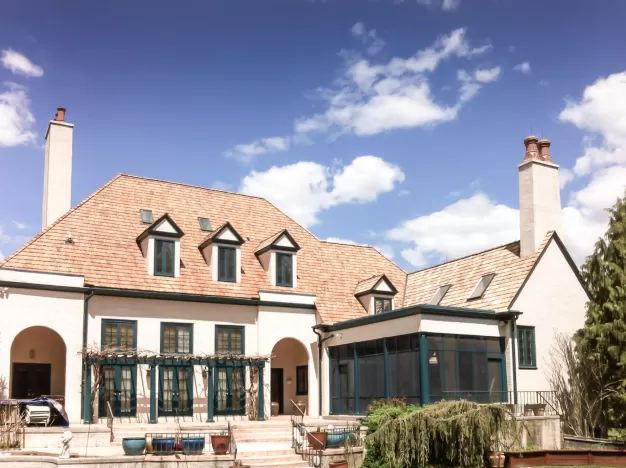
[[57, 177], [539, 195]]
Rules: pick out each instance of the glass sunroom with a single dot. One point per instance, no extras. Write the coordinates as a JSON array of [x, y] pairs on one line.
[[409, 355]]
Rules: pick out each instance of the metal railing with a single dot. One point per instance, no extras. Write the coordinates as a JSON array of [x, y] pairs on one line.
[[537, 402]]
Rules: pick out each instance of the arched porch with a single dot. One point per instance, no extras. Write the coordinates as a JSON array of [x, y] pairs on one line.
[[289, 376]]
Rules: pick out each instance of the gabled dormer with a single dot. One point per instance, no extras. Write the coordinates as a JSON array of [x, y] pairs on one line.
[[278, 256], [160, 245], [222, 251], [376, 294]]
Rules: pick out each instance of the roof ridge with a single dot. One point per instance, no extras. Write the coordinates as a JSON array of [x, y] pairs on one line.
[[464, 257], [71, 210]]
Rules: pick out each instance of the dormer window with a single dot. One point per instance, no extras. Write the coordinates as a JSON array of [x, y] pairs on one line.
[[481, 287], [164, 257], [222, 251], [160, 245], [278, 255], [376, 294], [382, 304]]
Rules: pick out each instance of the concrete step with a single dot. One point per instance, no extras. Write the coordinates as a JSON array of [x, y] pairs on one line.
[[290, 464], [265, 439], [253, 460], [253, 449]]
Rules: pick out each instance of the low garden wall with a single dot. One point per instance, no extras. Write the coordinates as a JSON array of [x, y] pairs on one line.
[[50, 437], [573, 442], [540, 432], [33, 461]]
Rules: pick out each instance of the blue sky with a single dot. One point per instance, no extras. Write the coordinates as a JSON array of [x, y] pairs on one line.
[[389, 123]]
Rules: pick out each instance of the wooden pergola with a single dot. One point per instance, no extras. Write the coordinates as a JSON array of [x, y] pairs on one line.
[[106, 357]]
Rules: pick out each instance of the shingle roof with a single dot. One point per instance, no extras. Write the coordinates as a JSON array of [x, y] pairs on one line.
[[464, 273], [105, 225]]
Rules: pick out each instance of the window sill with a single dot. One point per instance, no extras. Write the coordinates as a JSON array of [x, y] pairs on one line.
[[528, 367]]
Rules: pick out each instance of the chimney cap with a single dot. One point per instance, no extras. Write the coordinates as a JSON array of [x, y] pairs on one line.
[[60, 115], [530, 138], [544, 142]]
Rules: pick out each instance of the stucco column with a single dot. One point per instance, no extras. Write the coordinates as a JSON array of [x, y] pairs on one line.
[[210, 395], [87, 403], [261, 394], [153, 402]]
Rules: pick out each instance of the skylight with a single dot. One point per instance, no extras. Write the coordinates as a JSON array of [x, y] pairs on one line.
[[205, 224], [439, 295], [482, 286], [146, 216]]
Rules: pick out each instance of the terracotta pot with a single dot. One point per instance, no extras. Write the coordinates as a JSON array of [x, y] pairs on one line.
[[338, 464], [496, 460], [317, 440], [220, 443], [528, 412], [540, 412]]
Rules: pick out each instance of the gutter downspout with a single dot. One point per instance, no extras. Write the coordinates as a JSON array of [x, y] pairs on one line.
[[514, 363], [85, 329], [320, 342]]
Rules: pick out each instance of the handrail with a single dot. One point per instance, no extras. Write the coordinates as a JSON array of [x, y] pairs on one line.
[[297, 407], [540, 395]]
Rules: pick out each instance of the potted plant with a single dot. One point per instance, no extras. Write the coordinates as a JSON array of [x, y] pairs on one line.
[[133, 445], [220, 443], [317, 439], [193, 444], [496, 460], [163, 444], [347, 451]]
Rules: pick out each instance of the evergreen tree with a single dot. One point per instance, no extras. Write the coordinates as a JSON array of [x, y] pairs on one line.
[[603, 339]]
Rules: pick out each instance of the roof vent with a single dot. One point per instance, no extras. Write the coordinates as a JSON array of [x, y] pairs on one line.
[[146, 216], [482, 286], [439, 295], [205, 224]]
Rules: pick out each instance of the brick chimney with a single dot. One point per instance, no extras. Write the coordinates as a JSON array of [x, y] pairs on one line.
[[539, 195], [57, 177]]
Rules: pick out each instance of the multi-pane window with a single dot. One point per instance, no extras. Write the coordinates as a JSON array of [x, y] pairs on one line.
[[119, 334], [164, 255], [302, 380], [229, 340], [226, 264], [176, 338], [526, 344], [382, 304], [284, 269]]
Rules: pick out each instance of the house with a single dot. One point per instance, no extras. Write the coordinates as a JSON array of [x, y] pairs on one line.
[[173, 300]]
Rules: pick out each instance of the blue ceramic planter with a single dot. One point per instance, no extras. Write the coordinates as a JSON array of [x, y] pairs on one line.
[[193, 445], [134, 445], [339, 440], [163, 445]]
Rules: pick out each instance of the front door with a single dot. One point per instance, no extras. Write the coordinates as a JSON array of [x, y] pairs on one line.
[[118, 391], [176, 391], [30, 380], [230, 395], [277, 389]]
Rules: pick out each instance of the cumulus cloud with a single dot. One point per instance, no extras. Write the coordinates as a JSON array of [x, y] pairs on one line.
[[445, 5], [16, 118], [384, 249], [523, 67], [246, 152], [20, 225], [18, 64], [372, 98], [304, 189], [472, 82], [369, 39]]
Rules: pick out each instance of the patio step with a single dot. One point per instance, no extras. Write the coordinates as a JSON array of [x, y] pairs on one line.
[[264, 459]]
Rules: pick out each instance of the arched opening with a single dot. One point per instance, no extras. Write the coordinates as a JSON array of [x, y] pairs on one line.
[[290, 377], [38, 364]]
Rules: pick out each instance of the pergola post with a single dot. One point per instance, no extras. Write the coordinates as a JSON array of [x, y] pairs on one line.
[[210, 396], [87, 401], [153, 399], [261, 412]]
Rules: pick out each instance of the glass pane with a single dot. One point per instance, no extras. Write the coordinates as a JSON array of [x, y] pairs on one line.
[[222, 389], [169, 339], [235, 341], [169, 257], [168, 388], [222, 341], [158, 259], [110, 335], [466, 371], [127, 335], [109, 386], [126, 390], [237, 388], [183, 339], [183, 390], [495, 381]]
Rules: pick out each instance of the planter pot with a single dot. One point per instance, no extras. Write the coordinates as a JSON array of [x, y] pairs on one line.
[[163, 445], [338, 464], [193, 445], [496, 460], [317, 440], [220, 443], [275, 407], [528, 412], [339, 440], [540, 412], [148, 444], [133, 445]]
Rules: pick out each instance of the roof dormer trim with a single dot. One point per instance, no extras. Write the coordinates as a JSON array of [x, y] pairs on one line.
[[156, 229], [375, 288], [214, 237], [272, 243]]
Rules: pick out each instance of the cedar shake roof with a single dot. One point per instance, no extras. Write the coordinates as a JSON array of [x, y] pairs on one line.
[[105, 226], [464, 273], [368, 284]]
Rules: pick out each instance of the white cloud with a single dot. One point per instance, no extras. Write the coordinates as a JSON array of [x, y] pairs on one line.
[[369, 38], [304, 189], [384, 249], [523, 67], [220, 185], [1, 256], [16, 118], [20, 225], [466, 226], [544, 83], [373, 98], [445, 5], [404, 193], [246, 152], [20, 65], [471, 83]]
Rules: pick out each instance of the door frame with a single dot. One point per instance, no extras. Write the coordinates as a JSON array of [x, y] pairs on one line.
[[117, 379], [176, 391], [229, 382], [281, 389]]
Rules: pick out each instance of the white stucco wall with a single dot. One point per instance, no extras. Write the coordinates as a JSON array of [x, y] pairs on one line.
[[552, 300]]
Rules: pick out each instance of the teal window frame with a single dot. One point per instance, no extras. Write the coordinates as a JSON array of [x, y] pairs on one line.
[[230, 329], [527, 349], [119, 324], [160, 269], [383, 301], [282, 279], [177, 327], [302, 380], [230, 255]]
